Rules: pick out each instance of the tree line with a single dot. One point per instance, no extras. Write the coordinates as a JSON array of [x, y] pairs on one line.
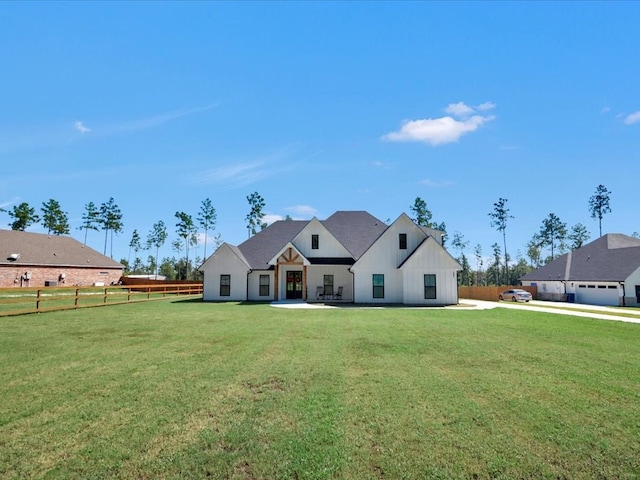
[[554, 237], [108, 217]]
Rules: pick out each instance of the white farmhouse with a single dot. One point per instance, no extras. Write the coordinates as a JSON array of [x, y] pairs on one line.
[[603, 272], [351, 257]]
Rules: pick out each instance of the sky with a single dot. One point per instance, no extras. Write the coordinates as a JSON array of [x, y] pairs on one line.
[[319, 107]]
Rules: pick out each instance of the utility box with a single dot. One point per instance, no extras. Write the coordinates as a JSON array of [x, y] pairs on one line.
[[50, 283]]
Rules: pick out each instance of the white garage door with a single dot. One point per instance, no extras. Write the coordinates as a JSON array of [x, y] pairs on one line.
[[597, 294]]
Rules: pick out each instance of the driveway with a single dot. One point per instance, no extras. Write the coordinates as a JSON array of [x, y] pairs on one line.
[[559, 308], [575, 309]]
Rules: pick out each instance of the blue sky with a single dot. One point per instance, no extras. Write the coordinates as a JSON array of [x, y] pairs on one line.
[[322, 106]]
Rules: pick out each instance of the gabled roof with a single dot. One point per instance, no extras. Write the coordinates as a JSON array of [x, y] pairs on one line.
[[37, 249], [445, 258], [610, 258], [355, 230], [264, 245]]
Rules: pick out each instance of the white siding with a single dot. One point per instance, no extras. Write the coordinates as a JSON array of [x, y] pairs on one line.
[[254, 285], [328, 246], [384, 257], [224, 262], [431, 258], [364, 286], [342, 277], [630, 284]]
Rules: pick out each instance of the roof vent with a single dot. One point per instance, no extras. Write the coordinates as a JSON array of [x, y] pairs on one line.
[[13, 257]]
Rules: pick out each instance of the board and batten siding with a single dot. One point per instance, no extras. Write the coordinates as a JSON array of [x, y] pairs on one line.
[[328, 246], [384, 257], [225, 262], [254, 285], [342, 277]]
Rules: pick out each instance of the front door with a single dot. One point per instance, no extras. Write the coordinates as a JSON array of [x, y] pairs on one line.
[[294, 285]]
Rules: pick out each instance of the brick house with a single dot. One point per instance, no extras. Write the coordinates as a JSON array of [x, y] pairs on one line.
[[37, 260]]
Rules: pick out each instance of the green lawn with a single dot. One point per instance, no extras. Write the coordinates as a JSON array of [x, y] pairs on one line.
[[186, 389]]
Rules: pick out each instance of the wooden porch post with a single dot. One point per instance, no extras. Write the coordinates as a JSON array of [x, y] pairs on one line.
[[304, 282], [275, 281]]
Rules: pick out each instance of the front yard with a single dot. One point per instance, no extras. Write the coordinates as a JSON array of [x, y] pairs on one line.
[[186, 389]]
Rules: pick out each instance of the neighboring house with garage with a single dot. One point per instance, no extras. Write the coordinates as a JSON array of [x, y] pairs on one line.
[[38, 260], [603, 272], [349, 257]]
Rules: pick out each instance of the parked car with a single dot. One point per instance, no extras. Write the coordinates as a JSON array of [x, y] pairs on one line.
[[516, 295]]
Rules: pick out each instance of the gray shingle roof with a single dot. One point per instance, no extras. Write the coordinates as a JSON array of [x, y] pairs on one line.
[[356, 230], [610, 258], [262, 247], [39, 249]]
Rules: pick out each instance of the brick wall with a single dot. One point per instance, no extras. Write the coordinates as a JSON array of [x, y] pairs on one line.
[[10, 276]]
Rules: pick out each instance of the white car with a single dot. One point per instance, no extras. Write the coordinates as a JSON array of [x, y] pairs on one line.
[[516, 295]]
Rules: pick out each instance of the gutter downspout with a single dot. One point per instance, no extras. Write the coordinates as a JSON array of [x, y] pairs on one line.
[[567, 272], [353, 285]]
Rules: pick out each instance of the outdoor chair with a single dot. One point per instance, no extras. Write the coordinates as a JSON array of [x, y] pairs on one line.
[[319, 293], [338, 295]]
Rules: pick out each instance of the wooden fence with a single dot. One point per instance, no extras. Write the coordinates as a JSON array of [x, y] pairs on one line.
[[18, 301], [491, 293]]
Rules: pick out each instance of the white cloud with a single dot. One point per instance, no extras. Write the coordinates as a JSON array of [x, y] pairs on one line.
[[605, 110], [8, 203], [632, 118], [79, 126], [270, 218], [154, 121], [459, 109], [438, 131], [240, 174], [302, 210], [483, 107], [235, 175]]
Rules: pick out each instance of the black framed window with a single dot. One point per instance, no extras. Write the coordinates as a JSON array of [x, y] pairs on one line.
[[402, 241], [315, 242], [430, 286], [328, 284], [378, 285], [225, 285], [264, 285]]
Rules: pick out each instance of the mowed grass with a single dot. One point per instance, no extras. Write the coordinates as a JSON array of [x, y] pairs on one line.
[[186, 389]]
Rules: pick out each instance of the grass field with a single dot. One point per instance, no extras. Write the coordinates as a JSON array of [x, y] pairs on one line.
[[186, 389]]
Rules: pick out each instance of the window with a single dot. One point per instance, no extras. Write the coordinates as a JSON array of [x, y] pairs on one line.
[[328, 285], [378, 285], [429, 286], [264, 285], [315, 241], [402, 240], [225, 285]]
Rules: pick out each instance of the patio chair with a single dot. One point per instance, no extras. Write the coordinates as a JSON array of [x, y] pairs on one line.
[[338, 294], [319, 293]]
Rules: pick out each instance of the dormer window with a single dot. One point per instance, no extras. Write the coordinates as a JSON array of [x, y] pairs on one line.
[[315, 242], [402, 241]]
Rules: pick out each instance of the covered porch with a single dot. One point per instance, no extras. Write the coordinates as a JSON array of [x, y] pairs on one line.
[[297, 277]]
